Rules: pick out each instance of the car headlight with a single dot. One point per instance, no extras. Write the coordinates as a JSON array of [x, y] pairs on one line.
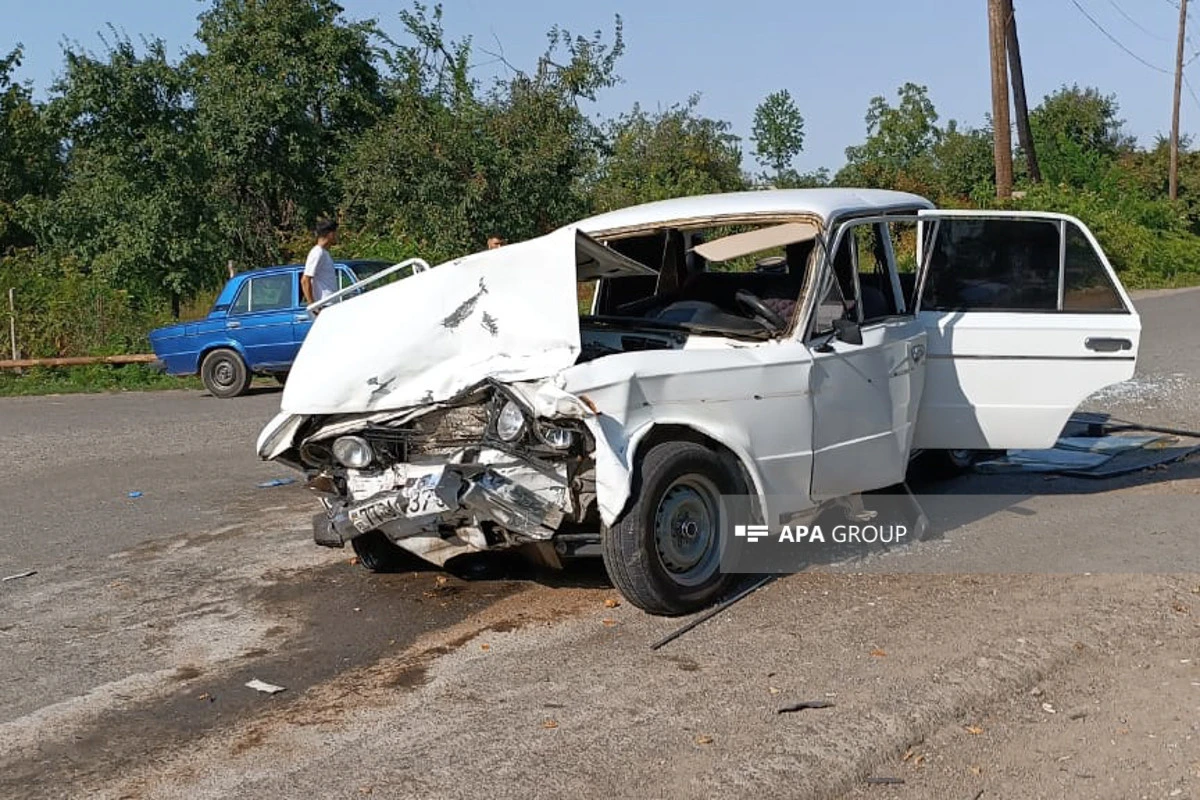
[[352, 451], [510, 422], [558, 438]]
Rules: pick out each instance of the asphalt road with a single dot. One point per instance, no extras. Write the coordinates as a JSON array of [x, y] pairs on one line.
[[958, 665]]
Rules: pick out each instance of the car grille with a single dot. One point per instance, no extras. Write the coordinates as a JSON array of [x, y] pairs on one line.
[[440, 432]]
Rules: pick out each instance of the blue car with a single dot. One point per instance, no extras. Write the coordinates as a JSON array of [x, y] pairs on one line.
[[256, 326]]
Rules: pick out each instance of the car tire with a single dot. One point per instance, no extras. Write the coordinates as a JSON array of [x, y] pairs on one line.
[[656, 565], [378, 553], [224, 373]]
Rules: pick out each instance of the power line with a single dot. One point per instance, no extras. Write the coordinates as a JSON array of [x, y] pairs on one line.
[[1137, 24], [1191, 91], [1117, 41]]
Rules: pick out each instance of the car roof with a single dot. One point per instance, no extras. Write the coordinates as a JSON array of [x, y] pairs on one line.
[[351, 263], [825, 204]]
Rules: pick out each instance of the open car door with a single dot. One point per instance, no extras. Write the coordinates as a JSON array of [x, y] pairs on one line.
[[1025, 319]]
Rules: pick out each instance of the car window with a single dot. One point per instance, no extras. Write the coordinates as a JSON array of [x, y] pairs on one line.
[[993, 264], [874, 277], [267, 293], [1086, 283], [836, 296]]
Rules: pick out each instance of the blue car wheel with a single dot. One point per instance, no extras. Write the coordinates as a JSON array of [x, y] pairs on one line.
[[224, 373]]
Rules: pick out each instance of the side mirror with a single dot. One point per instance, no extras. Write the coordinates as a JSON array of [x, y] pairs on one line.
[[848, 331]]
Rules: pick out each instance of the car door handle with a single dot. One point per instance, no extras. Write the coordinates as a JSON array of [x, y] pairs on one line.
[[302, 318], [232, 325], [1105, 344]]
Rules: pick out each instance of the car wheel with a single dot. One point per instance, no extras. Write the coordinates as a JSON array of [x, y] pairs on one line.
[[664, 553], [224, 374], [378, 553]]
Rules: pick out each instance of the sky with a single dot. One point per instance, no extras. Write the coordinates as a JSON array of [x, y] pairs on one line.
[[833, 57]]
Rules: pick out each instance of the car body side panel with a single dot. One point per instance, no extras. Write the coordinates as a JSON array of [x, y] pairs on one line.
[[865, 402], [1012, 380], [753, 399]]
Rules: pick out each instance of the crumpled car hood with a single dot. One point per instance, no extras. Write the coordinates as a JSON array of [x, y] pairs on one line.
[[509, 314]]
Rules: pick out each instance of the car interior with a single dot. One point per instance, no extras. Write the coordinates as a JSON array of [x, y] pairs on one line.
[[749, 293], [689, 289]]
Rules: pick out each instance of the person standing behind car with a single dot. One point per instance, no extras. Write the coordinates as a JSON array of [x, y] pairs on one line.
[[320, 278]]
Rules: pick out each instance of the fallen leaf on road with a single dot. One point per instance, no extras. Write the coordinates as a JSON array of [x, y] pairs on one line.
[[485, 646], [919, 760], [907, 754], [974, 730], [1179, 607], [608, 622], [550, 724], [206, 696], [1049, 709], [441, 580], [704, 740], [878, 653], [611, 603], [353, 561], [774, 689], [976, 769]]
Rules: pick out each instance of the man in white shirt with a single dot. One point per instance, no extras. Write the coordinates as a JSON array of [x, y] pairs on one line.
[[320, 277]]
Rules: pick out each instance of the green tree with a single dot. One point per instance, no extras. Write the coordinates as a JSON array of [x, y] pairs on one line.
[[29, 165], [1078, 136], [453, 164], [671, 153], [899, 145], [963, 163], [777, 133], [283, 90], [134, 206]]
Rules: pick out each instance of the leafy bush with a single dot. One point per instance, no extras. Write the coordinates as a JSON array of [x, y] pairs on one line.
[[61, 309]]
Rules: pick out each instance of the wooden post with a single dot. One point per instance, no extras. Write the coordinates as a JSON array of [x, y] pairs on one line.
[[1020, 106], [1002, 132], [12, 323], [1174, 177]]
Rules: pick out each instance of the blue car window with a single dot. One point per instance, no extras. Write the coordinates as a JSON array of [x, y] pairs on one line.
[[242, 304], [268, 293]]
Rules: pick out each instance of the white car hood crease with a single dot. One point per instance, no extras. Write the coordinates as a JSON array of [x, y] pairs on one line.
[[509, 314]]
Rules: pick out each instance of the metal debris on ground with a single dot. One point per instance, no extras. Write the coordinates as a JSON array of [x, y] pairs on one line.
[[19, 575], [1099, 446], [712, 612], [803, 706], [263, 686], [276, 482]]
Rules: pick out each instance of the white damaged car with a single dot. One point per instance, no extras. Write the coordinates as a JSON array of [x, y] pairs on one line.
[[795, 344]]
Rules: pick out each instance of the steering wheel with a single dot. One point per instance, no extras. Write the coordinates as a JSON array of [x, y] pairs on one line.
[[750, 303]]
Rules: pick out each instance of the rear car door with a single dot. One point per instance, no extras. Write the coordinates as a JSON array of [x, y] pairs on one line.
[[865, 396], [1025, 319], [260, 319]]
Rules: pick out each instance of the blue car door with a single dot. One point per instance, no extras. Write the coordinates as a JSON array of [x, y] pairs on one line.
[[260, 319]]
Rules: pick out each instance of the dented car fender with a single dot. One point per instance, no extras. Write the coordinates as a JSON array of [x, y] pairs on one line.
[[618, 449]]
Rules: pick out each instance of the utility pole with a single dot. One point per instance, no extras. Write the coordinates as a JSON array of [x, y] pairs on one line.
[[1001, 133], [1020, 106], [1174, 180]]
